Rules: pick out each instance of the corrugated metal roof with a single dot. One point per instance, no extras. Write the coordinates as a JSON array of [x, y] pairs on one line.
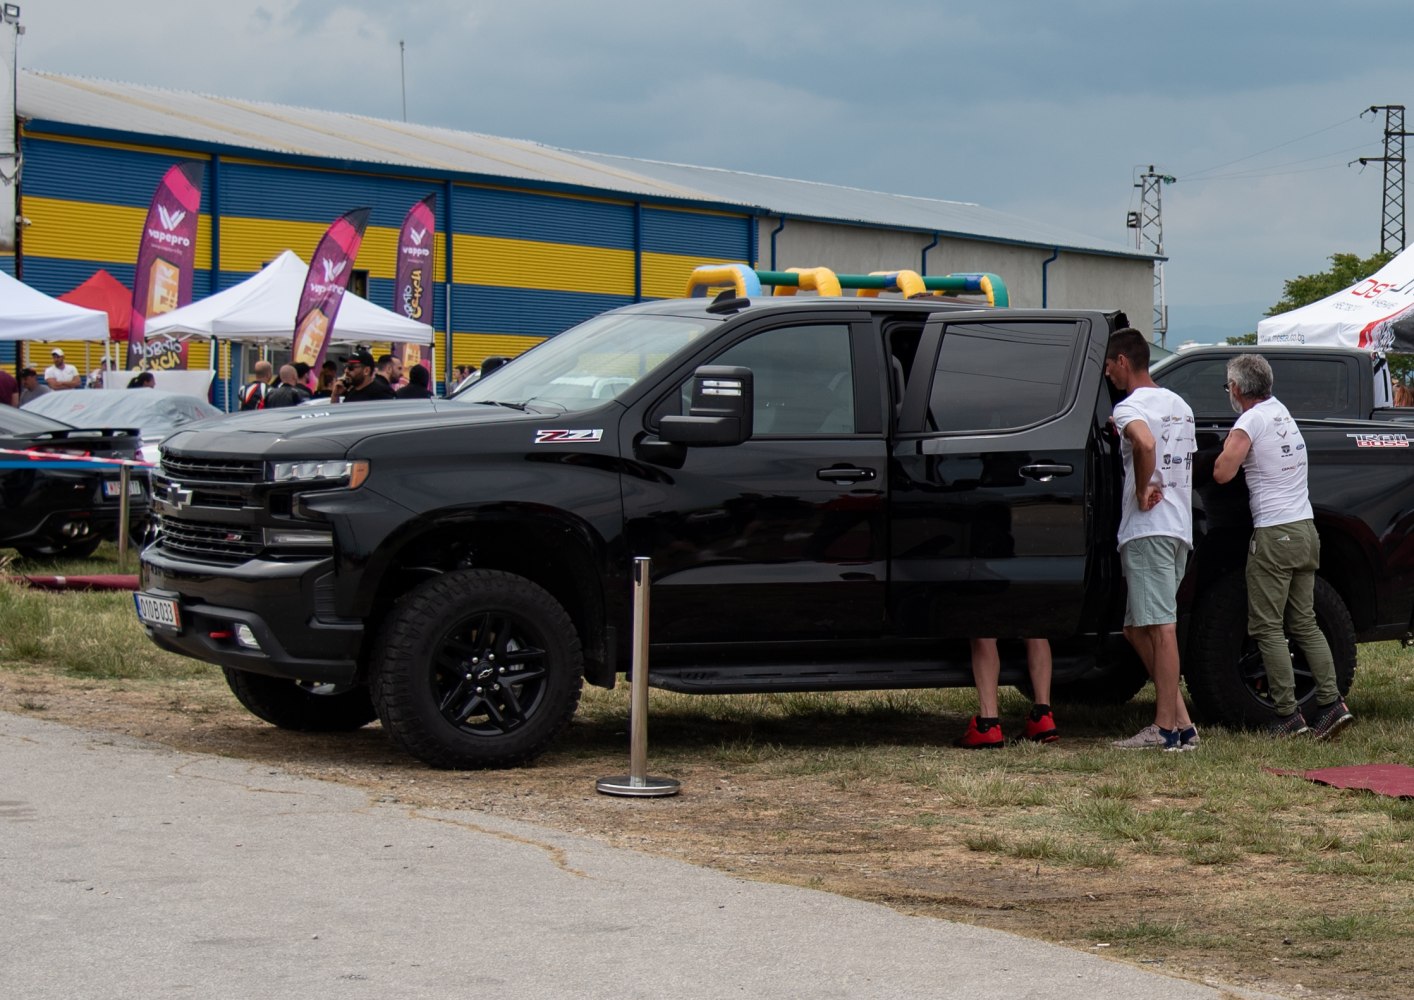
[[816, 200], [280, 128]]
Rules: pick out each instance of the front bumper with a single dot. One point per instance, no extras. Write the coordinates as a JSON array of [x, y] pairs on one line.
[[281, 602]]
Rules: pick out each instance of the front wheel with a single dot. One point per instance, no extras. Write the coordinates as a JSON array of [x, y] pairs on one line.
[[477, 669], [303, 706], [1224, 668]]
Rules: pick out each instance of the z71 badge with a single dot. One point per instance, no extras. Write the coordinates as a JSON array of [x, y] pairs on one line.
[[583, 434], [1380, 440]]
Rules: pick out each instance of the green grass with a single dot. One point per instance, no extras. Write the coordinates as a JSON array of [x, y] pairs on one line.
[[83, 634]]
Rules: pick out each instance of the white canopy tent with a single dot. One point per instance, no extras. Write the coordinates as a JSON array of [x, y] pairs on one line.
[[29, 314], [1375, 313], [262, 308]]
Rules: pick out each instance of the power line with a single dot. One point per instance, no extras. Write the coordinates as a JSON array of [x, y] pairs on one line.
[[1258, 173], [1193, 175]]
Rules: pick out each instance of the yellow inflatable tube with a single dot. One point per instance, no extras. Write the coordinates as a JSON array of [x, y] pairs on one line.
[[910, 283], [818, 279], [737, 276]]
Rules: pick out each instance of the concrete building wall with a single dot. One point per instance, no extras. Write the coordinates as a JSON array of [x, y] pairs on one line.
[[1073, 280]]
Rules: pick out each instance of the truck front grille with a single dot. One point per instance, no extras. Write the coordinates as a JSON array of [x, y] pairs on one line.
[[205, 541], [213, 470]]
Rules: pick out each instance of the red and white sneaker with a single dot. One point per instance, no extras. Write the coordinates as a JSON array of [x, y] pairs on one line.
[[981, 739], [1042, 730]]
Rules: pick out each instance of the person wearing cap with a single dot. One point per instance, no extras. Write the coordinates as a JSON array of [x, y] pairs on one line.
[[359, 383], [30, 386], [95, 377], [60, 375]]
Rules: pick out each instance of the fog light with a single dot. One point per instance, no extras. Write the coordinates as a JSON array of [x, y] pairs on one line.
[[246, 638]]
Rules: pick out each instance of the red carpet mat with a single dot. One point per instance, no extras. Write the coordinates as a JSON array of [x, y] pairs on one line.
[[1396, 780], [109, 581]]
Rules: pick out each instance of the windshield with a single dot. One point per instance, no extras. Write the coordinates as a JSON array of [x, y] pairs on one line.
[[588, 364]]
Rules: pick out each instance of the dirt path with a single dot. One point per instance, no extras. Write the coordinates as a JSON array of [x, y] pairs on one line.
[[879, 841]]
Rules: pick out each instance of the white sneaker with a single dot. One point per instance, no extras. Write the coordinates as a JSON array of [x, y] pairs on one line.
[[1148, 738]]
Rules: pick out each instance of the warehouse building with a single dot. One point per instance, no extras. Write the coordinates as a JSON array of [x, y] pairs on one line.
[[531, 239]]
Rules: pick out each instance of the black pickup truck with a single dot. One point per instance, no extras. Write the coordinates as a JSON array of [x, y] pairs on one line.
[[835, 493]]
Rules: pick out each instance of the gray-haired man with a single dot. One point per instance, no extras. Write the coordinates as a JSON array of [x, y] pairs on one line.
[[1285, 549]]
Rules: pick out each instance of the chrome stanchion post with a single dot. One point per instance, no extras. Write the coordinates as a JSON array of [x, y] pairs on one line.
[[637, 783], [124, 514]]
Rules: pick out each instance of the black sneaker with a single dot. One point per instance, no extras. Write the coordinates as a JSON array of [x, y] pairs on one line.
[[1331, 719], [1282, 727]]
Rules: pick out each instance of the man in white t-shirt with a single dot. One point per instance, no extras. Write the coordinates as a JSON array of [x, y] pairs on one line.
[[60, 375], [1155, 530], [1285, 549]]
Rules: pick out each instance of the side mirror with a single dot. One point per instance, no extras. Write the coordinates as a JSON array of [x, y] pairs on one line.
[[721, 409]]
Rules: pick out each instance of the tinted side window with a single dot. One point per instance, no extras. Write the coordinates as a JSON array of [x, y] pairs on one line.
[[1313, 387], [803, 379], [1200, 383], [995, 376]]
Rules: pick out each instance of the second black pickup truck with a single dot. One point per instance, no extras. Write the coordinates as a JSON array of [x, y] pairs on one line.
[[835, 494]]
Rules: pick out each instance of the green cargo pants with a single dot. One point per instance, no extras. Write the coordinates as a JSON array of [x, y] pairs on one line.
[[1281, 577]]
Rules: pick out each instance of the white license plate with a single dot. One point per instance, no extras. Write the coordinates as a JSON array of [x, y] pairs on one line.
[[160, 611], [112, 487]]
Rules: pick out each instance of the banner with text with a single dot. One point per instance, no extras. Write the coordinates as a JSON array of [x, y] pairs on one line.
[[324, 287], [412, 296], [166, 259]]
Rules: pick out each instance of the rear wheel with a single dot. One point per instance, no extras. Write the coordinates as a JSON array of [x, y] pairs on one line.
[[475, 669], [304, 706], [1224, 668]]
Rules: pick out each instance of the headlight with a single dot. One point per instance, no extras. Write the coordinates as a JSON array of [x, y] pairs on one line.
[[315, 471]]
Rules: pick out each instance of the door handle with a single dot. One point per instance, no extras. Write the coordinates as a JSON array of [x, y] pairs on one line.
[[1045, 472], [845, 474]]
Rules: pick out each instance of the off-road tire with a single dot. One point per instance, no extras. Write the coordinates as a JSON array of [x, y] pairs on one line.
[[476, 669], [1224, 669], [301, 706]]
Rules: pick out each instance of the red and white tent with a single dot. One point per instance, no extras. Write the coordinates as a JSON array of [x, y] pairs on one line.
[[1375, 313]]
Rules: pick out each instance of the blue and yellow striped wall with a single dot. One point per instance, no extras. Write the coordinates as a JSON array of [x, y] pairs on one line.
[[524, 264]]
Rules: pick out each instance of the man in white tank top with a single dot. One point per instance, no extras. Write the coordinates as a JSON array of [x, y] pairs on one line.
[[1155, 530], [1285, 550]]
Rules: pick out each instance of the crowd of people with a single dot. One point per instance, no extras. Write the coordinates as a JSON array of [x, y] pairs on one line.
[[363, 379], [1157, 445]]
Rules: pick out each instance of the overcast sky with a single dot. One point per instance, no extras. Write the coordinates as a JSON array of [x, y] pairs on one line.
[[1046, 110]]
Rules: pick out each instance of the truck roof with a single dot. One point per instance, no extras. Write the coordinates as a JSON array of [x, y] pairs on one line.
[[697, 307]]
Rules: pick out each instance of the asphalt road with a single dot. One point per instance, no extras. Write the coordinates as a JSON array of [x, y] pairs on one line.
[[128, 870]]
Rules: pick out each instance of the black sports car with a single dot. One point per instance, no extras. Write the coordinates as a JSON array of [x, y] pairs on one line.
[[48, 510]]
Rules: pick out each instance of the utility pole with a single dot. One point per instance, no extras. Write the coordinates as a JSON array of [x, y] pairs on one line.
[[1392, 218], [403, 70], [10, 32], [1148, 226]]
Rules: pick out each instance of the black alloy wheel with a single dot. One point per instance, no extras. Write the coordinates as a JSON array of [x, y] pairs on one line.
[[476, 668]]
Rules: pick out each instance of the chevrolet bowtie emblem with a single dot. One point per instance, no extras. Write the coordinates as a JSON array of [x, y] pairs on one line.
[[177, 497]]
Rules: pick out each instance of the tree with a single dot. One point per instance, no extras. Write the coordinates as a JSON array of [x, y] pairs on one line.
[[1346, 269]]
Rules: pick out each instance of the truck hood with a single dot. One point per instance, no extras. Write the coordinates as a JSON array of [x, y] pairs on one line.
[[333, 429]]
